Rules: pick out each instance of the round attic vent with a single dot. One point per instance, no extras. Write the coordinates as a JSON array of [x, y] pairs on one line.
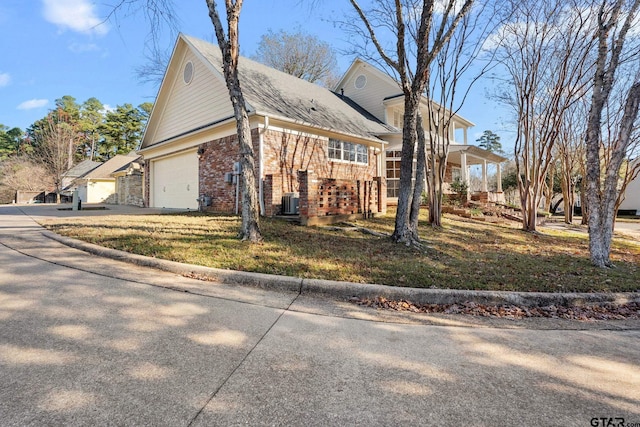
[[361, 81], [188, 72]]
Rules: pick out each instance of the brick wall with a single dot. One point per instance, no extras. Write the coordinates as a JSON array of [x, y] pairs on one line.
[[272, 195], [287, 153], [326, 197], [216, 160], [448, 172], [382, 194], [284, 155]]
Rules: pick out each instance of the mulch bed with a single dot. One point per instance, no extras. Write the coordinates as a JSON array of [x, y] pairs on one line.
[[587, 312]]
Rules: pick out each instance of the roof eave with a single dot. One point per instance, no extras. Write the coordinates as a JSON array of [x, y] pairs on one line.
[[188, 133], [398, 100], [301, 123]]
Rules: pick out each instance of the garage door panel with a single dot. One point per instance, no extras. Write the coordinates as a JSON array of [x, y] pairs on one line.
[[175, 181]]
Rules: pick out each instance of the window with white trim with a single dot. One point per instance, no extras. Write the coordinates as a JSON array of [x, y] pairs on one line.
[[393, 166], [348, 151], [393, 173]]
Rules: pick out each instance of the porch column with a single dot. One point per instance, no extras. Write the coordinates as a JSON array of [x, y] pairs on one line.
[[485, 187], [464, 173], [499, 177], [465, 136]]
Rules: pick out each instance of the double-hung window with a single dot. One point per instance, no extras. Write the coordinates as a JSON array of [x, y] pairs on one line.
[[348, 151]]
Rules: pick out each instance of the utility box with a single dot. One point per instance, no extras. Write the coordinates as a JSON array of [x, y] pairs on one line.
[[76, 204], [205, 201], [291, 204]]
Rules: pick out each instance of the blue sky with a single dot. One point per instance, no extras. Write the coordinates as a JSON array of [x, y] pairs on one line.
[[52, 48]]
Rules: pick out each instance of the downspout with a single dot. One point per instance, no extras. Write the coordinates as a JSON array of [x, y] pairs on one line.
[[261, 164]]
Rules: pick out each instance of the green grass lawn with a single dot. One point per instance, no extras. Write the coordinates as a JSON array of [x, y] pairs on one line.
[[463, 254]]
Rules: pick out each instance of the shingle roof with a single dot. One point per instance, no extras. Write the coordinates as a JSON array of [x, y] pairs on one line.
[[105, 170], [82, 168], [272, 92]]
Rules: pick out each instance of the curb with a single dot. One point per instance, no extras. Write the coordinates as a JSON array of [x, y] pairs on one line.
[[347, 290]]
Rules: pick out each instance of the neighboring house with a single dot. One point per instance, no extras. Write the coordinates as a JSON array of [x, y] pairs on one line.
[[632, 198], [318, 153], [71, 177], [99, 186], [79, 170]]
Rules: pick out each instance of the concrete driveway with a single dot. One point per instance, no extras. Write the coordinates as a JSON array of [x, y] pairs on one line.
[[92, 341]]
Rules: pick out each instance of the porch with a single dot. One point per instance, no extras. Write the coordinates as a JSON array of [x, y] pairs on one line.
[[466, 156]]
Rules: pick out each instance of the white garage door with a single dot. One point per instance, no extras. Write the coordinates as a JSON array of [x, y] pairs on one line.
[[175, 181]]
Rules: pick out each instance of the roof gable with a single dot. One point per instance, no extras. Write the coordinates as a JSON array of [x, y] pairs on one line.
[[267, 92], [359, 66], [105, 170], [182, 105], [368, 86], [379, 91]]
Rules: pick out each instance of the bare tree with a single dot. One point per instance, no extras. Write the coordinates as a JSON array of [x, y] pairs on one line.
[[459, 57], [299, 54], [602, 192], [152, 71], [570, 155], [410, 60], [545, 50], [56, 141], [22, 173]]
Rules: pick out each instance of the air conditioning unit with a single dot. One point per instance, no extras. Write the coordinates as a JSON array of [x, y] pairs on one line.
[[290, 203]]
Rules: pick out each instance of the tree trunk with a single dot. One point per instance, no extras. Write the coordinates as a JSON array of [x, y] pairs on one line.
[[250, 229], [420, 174], [601, 198], [551, 176], [584, 207], [528, 205], [568, 195], [602, 203], [403, 233]]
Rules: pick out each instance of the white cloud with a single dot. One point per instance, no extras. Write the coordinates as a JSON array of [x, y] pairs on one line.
[[76, 15], [440, 6], [32, 104], [5, 79]]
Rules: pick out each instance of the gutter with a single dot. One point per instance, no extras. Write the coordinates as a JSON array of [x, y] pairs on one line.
[[189, 132], [261, 165], [322, 128]]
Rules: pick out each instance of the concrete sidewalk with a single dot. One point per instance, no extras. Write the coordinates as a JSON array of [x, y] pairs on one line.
[[86, 340]]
